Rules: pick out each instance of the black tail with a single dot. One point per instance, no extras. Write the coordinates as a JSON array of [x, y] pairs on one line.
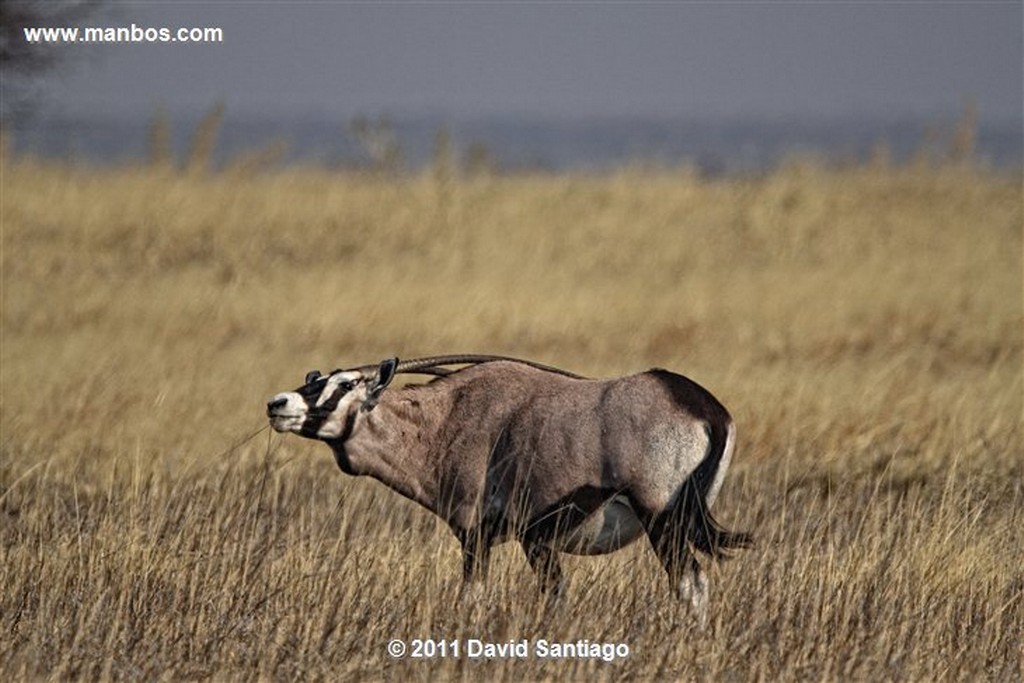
[[702, 530], [709, 537]]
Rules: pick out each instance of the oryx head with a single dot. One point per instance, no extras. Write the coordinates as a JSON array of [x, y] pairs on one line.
[[326, 406]]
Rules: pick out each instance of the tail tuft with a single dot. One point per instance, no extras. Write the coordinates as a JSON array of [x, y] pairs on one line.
[[711, 538]]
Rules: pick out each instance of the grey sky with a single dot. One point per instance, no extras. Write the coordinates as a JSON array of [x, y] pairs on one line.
[[724, 60]]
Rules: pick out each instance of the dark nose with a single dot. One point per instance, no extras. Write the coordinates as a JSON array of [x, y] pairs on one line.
[[275, 404]]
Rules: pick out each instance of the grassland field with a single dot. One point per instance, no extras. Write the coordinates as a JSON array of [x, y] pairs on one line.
[[863, 325]]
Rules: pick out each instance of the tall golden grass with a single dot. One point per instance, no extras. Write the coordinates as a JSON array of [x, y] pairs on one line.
[[864, 326]]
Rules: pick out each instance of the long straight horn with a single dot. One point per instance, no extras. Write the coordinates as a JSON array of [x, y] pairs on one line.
[[432, 365]]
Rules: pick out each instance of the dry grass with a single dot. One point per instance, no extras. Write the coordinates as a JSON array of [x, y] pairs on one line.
[[863, 325]]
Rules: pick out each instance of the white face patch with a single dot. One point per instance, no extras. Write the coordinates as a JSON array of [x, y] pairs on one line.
[[335, 424], [287, 412], [336, 380]]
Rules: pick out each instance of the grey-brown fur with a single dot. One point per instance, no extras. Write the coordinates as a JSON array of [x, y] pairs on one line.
[[503, 449]]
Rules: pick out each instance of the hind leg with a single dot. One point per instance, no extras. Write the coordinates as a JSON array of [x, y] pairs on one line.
[[544, 562], [692, 587], [688, 580]]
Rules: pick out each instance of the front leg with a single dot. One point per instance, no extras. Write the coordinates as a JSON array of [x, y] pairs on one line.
[[544, 562], [476, 555]]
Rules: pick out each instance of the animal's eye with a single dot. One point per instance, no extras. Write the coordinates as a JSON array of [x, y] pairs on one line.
[[312, 376], [346, 386]]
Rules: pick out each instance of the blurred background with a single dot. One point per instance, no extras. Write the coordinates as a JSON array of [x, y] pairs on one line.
[[723, 88]]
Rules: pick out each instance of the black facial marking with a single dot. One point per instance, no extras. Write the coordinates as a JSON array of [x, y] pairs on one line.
[[317, 415], [311, 426], [310, 391]]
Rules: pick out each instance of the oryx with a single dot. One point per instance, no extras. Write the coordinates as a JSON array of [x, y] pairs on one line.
[[503, 449]]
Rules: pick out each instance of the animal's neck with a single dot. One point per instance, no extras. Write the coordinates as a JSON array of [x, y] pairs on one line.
[[392, 445]]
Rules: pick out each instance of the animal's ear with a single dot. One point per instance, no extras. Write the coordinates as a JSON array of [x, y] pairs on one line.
[[312, 376], [385, 373]]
